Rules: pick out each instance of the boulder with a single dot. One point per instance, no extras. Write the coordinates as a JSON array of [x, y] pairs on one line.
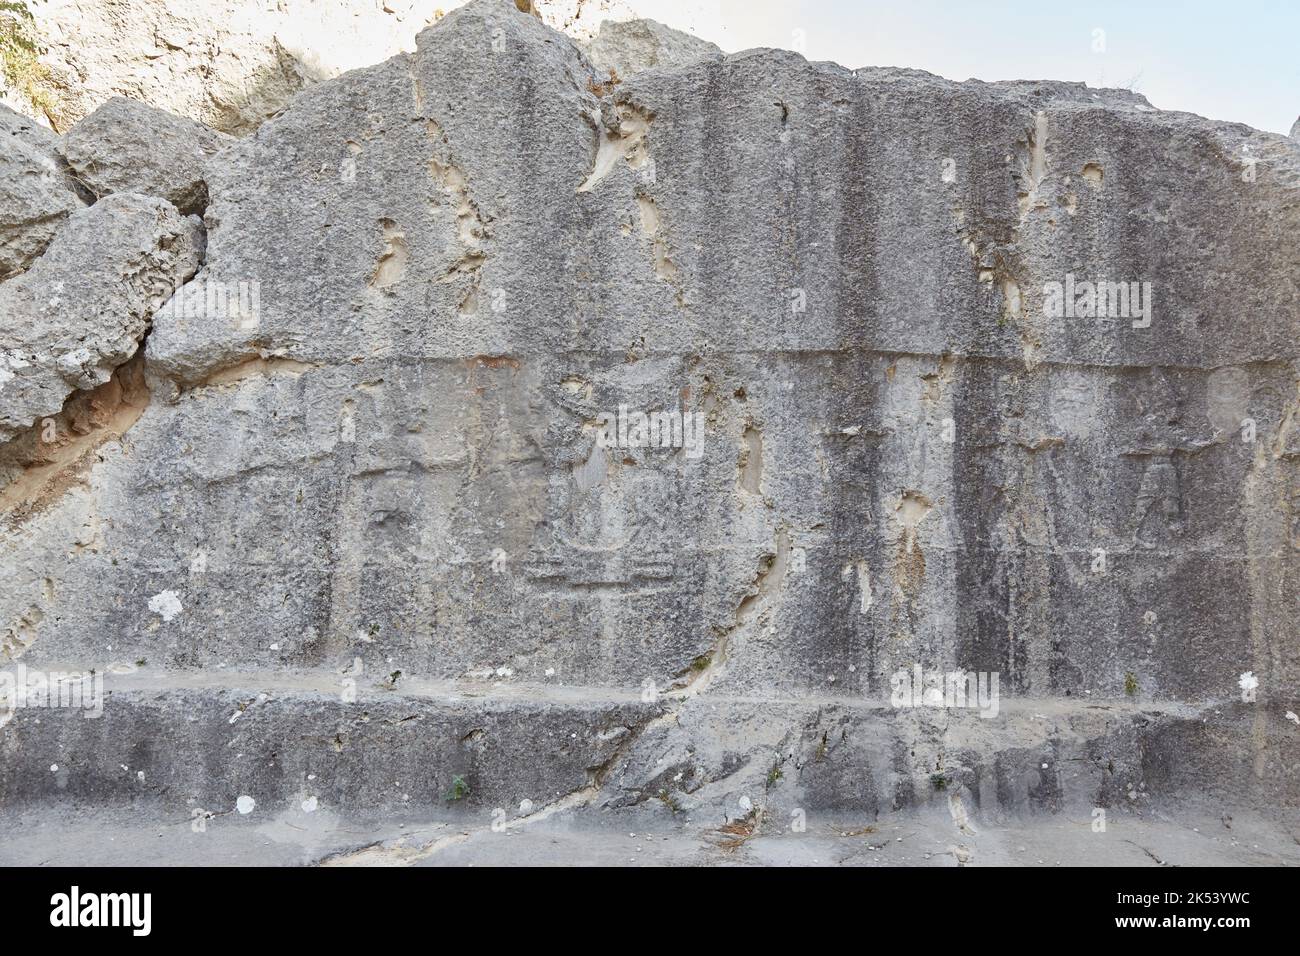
[[128, 146], [36, 192], [83, 307]]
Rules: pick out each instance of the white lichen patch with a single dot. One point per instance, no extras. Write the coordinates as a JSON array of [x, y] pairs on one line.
[[166, 604]]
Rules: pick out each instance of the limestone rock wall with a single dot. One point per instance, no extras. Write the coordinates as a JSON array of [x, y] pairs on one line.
[[368, 442], [231, 64]]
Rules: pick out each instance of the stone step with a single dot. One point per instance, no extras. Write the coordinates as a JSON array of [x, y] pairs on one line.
[[204, 739]]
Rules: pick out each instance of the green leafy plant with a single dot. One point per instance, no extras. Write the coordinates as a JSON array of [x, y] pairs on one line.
[[459, 789], [774, 775], [20, 67], [1130, 683]]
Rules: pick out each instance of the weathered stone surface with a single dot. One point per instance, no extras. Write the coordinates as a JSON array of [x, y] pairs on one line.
[[226, 63], [372, 445], [281, 741], [232, 64], [129, 147], [81, 310], [142, 834], [36, 194], [632, 46], [27, 129]]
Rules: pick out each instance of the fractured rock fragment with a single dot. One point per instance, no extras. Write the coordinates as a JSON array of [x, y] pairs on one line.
[[82, 308], [128, 146], [36, 192]]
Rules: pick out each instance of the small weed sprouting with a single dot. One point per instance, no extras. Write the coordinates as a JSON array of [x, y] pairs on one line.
[[774, 775], [459, 789], [669, 800]]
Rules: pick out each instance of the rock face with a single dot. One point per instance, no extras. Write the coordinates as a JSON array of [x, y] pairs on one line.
[[81, 309], [125, 146], [226, 63], [36, 193], [231, 64], [388, 514]]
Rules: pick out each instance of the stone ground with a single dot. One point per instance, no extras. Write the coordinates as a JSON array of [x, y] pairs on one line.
[[642, 837]]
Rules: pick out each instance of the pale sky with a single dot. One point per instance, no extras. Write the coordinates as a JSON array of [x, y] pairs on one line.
[[1227, 61]]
